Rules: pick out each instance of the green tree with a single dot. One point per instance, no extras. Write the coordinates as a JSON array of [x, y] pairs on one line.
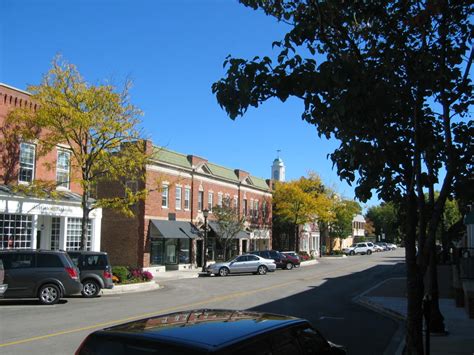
[[99, 126], [229, 223], [385, 219], [344, 212], [389, 80]]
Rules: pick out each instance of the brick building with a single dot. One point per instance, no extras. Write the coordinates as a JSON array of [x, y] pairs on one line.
[[28, 220], [166, 231]]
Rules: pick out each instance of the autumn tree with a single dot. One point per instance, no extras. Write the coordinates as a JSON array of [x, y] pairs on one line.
[[100, 128], [390, 81], [229, 223], [344, 212]]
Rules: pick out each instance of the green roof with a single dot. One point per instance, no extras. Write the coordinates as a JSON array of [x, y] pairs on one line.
[[181, 160], [170, 157]]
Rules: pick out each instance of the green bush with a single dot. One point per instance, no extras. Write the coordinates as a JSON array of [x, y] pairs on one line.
[[121, 272], [337, 252]]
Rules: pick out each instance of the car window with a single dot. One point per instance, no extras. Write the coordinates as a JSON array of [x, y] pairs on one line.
[[18, 261], [311, 341], [265, 254], [274, 254], [258, 347], [75, 259], [241, 259], [253, 258], [90, 262], [285, 342], [48, 260]]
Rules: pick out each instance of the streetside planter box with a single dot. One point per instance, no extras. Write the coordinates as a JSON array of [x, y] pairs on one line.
[[130, 288]]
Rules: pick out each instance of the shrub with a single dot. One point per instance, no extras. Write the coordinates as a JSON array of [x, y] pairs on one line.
[[137, 274], [337, 252], [121, 272], [304, 255]]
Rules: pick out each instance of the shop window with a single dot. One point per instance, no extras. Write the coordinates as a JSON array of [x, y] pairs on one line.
[[55, 232], [178, 197], [157, 252], [73, 234], [184, 251], [63, 168], [27, 162], [15, 231]]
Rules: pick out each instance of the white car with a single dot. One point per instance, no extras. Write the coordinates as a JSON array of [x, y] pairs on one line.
[[359, 248], [391, 246], [378, 248]]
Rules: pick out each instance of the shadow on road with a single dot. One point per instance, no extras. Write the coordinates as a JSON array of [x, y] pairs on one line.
[[330, 308]]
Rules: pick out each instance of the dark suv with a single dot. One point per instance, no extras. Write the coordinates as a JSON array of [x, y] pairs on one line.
[[95, 271], [208, 331], [3, 287], [281, 261], [46, 274]]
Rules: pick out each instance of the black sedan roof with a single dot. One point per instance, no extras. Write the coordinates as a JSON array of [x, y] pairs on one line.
[[203, 328]]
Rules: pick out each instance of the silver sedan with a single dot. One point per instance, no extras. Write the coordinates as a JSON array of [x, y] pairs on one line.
[[243, 263]]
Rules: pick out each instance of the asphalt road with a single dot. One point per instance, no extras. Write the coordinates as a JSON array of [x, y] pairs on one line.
[[322, 293]]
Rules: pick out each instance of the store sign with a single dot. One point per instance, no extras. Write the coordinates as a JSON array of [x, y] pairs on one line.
[[54, 210]]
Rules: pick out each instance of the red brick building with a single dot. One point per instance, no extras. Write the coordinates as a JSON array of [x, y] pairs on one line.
[[166, 231], [28, 221]]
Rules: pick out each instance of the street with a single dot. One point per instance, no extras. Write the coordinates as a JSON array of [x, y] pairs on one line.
[[322, 293]]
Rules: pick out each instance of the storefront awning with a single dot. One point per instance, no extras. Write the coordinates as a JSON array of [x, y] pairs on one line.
[[215, 227], [172, 229]]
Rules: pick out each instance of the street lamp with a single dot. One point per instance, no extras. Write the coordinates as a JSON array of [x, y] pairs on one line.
[[205, 213]]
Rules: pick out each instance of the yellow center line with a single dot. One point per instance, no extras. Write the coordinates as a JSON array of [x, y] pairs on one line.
[[165, 310]]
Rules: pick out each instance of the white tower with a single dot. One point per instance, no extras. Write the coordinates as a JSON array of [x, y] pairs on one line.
[[278, 169]]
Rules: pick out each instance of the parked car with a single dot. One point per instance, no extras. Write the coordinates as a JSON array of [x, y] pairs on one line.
[[241, 264], [95, 271], [45, 274], [292, 259], [280, 260], [358, 248], [378, 248], [383, 245], [3, 287], [392, 246], [210, 331]]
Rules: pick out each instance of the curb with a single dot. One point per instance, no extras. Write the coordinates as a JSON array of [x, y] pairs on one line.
[[364, 301], [131, 288], [309, 262]]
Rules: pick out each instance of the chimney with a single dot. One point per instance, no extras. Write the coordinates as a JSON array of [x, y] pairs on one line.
[[196, 161], [242, 175]]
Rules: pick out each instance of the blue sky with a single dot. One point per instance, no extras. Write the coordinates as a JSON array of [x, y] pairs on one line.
[[173, 51]]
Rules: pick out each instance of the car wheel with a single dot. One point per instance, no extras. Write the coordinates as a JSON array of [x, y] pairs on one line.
[[49, 294], [369, 252], [223, 271], [262, 270], [351, 252], [289, 266], [90, 288]]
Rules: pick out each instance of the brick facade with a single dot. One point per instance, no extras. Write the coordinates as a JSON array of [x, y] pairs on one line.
[[178, 172]]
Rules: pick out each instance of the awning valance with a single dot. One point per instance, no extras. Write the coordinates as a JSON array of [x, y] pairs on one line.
[[173, 229], [215, 227]]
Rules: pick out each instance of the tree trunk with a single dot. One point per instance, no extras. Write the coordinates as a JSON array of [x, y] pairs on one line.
[[414, 323], [297, 239], [436, 318], [85, 219]]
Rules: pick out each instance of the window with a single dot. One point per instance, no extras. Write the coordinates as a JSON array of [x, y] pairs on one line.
[[18, 260], [73, 237], [245, 206], [264, 209], [200, 199], [164, 197], [27, 162], [48, 260], [210, 198], [219, 199], [15, 231], [63, 168], [256, 209], [236, 203], [178, 197], [55, 232], [187, 197], [251, 208]]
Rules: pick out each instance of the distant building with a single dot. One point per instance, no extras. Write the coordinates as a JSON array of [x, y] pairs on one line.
[[278, 170], [358, 227]]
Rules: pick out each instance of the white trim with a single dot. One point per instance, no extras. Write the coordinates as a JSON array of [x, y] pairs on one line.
[[169, 171], [14, 88]]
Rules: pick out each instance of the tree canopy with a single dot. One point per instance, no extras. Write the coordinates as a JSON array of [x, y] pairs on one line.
[[97, 125]]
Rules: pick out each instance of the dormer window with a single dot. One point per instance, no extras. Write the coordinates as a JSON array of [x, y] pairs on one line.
[[27, 162], [63, 168]]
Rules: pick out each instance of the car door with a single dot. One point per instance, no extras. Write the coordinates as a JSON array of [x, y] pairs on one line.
[[19, 274], [238, 265], [252, 264]]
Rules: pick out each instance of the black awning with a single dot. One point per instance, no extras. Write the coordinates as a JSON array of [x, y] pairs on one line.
[[215, 227], [173, 229]]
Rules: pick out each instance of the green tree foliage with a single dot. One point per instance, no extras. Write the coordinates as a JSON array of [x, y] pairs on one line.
[[344, 212], [229, 223], [385, 218], [390, 80], [99, 126]]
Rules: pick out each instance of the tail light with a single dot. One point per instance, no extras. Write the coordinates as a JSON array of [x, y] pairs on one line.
[[72, 273], [107, 275]]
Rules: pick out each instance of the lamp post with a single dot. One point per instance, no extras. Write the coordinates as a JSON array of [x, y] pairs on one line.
[[205, 213]]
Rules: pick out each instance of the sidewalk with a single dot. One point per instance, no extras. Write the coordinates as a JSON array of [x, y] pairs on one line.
[[389, 298]]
